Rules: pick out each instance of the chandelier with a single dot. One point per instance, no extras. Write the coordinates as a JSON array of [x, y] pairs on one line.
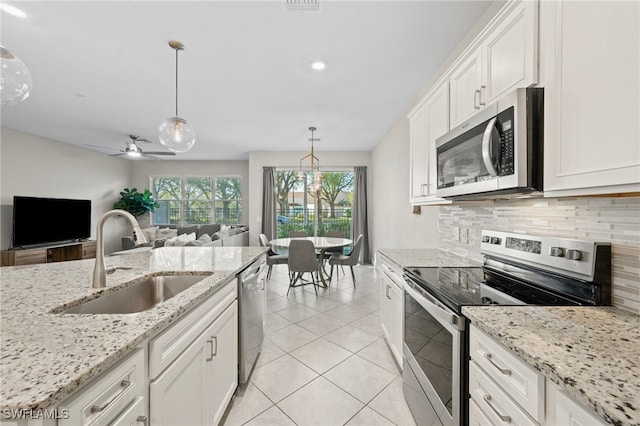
[[174, 132], [315, 165]]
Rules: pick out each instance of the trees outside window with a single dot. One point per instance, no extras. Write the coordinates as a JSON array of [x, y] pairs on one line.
[[190, 200], [314, 209]]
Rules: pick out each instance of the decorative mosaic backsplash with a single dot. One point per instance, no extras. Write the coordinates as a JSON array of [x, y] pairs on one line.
[[614, 220]]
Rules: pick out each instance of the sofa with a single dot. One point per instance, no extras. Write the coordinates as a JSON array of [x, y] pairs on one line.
[[212, 234]]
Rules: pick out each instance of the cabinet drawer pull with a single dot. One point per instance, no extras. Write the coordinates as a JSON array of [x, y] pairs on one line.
[[504, 371], [487, 399], [142, 419], [98, 408], [214, 347]]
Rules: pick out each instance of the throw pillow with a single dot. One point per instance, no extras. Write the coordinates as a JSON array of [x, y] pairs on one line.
[[166, 233], [170, 242], [204, 239], [159, 242], [150, 233], [183, 239]]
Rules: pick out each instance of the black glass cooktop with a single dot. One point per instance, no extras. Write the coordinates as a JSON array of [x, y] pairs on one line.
[[501, 284]]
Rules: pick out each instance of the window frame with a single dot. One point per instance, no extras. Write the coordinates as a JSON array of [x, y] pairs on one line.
[[182, 201]]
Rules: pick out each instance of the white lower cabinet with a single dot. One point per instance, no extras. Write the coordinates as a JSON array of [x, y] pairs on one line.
[[131, 415], [563, 410], [197, 386], [118, 397], [504, 389], [392, 306]]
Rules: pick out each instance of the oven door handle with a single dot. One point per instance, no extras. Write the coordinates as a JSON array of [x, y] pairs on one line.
[[441, 313], [487, 146]]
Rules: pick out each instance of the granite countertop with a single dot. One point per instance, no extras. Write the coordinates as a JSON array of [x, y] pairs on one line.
[[427, 258], [593, 353], [45, 356]]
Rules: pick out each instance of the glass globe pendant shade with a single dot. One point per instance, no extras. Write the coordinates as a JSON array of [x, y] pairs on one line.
[[15, 79], [176, 134]]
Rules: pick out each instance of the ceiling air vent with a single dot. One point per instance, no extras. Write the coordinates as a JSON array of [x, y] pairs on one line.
[[302, 5]]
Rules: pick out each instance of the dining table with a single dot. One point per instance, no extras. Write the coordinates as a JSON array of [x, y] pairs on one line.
[[281, 245]]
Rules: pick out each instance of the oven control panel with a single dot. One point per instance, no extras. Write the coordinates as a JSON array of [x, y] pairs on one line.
[[571, 257]]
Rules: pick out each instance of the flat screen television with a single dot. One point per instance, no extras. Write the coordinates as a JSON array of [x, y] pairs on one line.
[[42, 221]]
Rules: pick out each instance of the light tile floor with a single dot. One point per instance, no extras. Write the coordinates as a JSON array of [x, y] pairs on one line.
[[324, 360]]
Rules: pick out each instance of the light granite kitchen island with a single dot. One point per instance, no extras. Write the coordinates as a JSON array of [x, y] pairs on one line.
[[46, 356], [592, 353]]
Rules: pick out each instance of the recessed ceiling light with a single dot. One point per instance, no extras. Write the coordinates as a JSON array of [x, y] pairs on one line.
[[318, 65], [12, 10]]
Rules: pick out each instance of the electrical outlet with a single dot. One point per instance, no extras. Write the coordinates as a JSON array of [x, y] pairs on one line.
[[456, 233], [465, 236]]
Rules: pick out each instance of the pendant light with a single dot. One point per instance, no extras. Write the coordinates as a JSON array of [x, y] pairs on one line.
[[15, 79], [174, 132], [315, 165]]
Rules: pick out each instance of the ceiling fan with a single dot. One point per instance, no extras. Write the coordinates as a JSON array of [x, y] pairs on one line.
[[133, 150]]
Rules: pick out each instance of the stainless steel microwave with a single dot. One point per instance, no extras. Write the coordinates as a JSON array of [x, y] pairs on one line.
[[497, 151]]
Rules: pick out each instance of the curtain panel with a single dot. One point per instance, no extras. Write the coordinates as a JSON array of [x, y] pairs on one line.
[[360, 214], [269, 202]]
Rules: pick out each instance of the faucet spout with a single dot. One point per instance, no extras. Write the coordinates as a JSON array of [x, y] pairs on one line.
[[99, 271]]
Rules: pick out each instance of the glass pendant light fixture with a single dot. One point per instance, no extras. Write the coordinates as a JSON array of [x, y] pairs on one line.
[[15, 79], [174, 132]]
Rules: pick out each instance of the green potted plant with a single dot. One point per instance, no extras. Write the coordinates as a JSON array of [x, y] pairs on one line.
[[136, 203]]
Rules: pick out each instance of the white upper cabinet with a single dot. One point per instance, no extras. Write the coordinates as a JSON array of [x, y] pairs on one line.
[[510, 52], [590, 68], [502, 59], [426, 123], [418, 174], [466, 85]]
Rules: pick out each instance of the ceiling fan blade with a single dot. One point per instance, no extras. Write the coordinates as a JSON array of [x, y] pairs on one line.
[[159, 152], [103, 147], [117, 155], [143, 140]]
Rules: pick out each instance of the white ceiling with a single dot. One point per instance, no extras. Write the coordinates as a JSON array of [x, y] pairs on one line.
[[103, 70]]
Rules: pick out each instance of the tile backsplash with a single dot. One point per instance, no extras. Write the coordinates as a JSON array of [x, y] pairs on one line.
[[614, 220]]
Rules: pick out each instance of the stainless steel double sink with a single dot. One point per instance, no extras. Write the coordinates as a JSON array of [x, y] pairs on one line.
[[138, 297]]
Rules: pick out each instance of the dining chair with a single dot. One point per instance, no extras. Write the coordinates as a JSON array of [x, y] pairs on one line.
[[273, 258], [333, 234], [298, 234], [349, 260], [302, 258]]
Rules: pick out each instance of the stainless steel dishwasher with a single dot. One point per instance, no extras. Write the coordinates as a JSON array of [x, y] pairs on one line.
[[251, 305]]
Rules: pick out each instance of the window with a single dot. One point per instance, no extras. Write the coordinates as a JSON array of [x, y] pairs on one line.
[[192, 200], [298, 201]]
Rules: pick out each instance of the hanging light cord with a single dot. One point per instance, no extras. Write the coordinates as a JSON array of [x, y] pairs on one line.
[[177, 82]]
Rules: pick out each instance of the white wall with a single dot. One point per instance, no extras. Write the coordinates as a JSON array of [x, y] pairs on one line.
[[35, 166], [328, 161], [394, 224], [144, 169]]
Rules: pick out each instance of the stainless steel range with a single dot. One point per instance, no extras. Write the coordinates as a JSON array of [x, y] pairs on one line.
[[518, 270]]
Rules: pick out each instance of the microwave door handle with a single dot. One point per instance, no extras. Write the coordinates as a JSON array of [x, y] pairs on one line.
[[486, 147]]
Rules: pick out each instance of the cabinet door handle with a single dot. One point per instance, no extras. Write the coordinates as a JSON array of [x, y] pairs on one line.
[[123, 387], [388, 288], [487, 399], [483, 95], [504, 371], [142, 419], [476, 103], [422, 187], [214, 347]]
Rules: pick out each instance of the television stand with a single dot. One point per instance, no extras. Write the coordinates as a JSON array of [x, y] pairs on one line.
[[54, 253]]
